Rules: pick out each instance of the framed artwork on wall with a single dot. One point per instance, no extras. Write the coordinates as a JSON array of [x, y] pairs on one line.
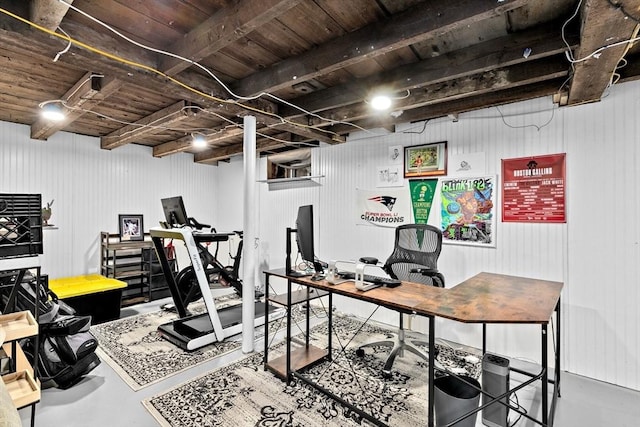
[[131, 227], [425, 160], [468, 210]]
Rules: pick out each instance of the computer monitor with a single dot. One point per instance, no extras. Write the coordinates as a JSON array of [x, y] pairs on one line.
[[174, 211], [304, 237]]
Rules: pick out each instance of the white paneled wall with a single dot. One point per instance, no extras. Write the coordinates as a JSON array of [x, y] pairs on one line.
[[92, 186], [595, 253]]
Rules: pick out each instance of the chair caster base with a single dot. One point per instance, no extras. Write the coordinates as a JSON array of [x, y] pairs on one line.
[[386, 374]]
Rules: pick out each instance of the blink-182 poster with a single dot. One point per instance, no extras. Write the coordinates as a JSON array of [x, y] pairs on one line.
[[468, 211]]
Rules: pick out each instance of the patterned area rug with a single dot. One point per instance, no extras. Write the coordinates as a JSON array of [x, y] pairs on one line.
[[244, 394], [135, 350]]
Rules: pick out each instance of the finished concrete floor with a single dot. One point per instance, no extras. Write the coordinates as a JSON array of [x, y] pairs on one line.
[[103, 399]]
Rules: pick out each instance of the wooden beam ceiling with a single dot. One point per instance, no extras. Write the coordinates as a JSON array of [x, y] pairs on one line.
[[205, 93], [435, 56], [464, 87], [503, 52], [413, 25]]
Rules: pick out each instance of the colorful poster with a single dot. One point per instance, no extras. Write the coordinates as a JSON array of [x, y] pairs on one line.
[[468, 211], [533, 189], [384, 207], [422, 192]]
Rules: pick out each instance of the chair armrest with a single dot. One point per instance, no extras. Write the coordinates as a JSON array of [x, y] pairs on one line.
[[425, 271], [437, 277]]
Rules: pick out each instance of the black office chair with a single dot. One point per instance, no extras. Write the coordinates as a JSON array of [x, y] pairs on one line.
[[414, 259]]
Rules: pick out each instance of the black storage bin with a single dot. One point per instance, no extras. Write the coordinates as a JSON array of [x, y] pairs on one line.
[[101, 306], [20, 225]]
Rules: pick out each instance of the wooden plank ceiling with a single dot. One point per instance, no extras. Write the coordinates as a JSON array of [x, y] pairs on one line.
[[159, 73]]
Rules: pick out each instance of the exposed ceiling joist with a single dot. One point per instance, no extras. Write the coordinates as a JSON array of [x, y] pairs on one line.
[[593, 74], [185, 143], [221, 29], [217, 154], [153, 123], [88, 92], [49, 13]]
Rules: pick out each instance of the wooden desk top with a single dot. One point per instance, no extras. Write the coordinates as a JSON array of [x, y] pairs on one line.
[[402, 298], [496, 298], [483, 298]]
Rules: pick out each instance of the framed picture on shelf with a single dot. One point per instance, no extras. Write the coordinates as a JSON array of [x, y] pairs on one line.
[[425, 160], [131, 227]]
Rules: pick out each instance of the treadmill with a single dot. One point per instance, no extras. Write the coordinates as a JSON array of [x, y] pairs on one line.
[[190, 331]]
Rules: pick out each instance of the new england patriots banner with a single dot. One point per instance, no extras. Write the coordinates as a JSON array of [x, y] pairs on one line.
[[384, 207]]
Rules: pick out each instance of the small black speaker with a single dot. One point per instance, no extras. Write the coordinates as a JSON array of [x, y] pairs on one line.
[[495, 381]]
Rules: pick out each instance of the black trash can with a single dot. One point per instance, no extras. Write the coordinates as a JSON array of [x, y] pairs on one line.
[[454, 398]]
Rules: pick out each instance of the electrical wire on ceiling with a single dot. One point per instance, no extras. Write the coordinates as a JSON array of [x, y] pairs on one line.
[[421, 131], [63, 51], [563, 29], [538, 127]]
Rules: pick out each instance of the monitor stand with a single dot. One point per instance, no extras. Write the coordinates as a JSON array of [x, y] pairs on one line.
[[191, 332]]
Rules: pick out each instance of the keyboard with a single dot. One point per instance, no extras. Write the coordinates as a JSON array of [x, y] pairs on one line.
[[382, 281]]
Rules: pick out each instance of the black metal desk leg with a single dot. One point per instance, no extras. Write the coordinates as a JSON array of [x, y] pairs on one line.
[[266, 320], [545, 377], [558, 345], [432, 370], [484, 338], [330, 325], [288, 339]]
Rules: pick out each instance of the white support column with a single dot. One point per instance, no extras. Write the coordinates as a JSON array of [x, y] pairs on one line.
[[249, 250]]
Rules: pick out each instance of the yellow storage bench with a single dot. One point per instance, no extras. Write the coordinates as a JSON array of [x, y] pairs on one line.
[[91, 295]]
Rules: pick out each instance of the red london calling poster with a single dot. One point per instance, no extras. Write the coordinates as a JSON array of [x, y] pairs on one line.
[[533, 189]]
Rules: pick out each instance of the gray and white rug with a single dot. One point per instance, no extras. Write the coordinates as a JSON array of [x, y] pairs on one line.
[[244, 394], [135, 350]]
